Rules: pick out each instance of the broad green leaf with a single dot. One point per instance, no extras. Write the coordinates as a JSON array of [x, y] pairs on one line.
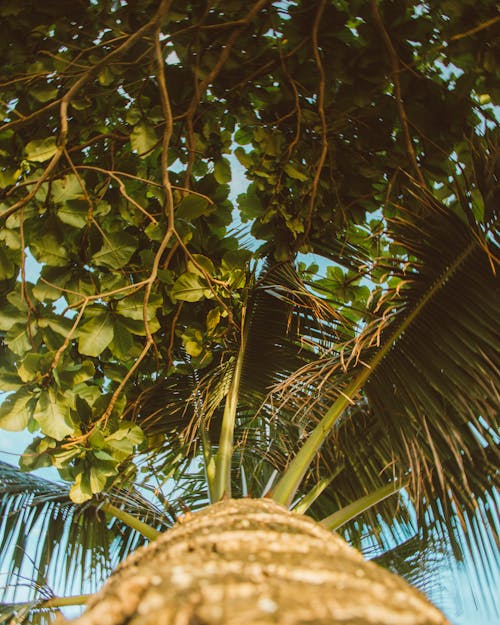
[[190, 287], [35, 456], [44, 94], [128, 430], [143, 138], [122, 345], [31, 367], [123, 441], [137, 327], [8, 268], [87, 392], [11, 238], [132, 306], [9, 380], [18, 339], [133, 116], [97, 439], [200, 262], [74, 213], [74, 374], [99, 474], [95, 335], [116, 250], [193, 348], [15, 412], [40, 150], [213, 319], [222, 171], [67, 188], [60, 325], [80, 492], [243, 157], [105, 76], [192, 207], [250, 204], [10, 315], [47, 249], [44, 292], [243, 137], [52, 413], [293, 172]]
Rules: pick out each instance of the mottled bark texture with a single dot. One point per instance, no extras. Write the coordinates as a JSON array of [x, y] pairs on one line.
[[250, 561]]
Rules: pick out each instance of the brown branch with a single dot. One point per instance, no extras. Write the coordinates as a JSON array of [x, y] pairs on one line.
[[476, 29]]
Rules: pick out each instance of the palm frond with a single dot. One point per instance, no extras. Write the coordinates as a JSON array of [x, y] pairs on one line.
[[59, 547], [428, 367]]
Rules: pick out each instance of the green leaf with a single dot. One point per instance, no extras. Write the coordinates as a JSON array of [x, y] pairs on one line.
[[71, 375], [132, 306], [31, 366], [52, 412], [99, 474], [192, 207], [44, 94], [10, 315], [143, 138], [250, 204], [41, 150], [116, 250], [123, 441], [80, 492], [293, 172], [105, 76], [222, 171], [95, 335], [67, 188], [47, 249], [123, 342], [74, 213], [18, 339], [15, 412], [9, 380], [243, 137], [137, 327], [8, 268], [190, 287], [213, 319], [199, 262]]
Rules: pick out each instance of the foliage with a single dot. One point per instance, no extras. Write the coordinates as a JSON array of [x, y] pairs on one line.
[[333, 328]]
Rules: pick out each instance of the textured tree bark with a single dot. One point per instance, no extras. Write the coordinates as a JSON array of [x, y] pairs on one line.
[[251, 562]]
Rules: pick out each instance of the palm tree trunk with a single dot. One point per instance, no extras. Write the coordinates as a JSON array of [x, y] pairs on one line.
[[250, 561]]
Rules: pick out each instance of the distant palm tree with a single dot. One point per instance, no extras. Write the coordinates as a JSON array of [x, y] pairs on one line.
[[384, 428]]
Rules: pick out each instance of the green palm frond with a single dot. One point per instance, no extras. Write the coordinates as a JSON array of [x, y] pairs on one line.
[[416, 559], [436, 391], [57, 546]]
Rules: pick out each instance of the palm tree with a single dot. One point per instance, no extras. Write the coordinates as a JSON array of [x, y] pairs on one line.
[[385, 430], [203, 395]]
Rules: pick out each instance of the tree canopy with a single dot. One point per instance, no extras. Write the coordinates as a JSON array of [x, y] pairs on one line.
[[327, 326]]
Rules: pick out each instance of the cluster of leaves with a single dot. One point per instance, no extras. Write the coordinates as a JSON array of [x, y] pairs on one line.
[[136, 328]]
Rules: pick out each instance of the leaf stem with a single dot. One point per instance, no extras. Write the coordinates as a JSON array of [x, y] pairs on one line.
[[345, 514], [130, 520], [225, 452], [306, 502]]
